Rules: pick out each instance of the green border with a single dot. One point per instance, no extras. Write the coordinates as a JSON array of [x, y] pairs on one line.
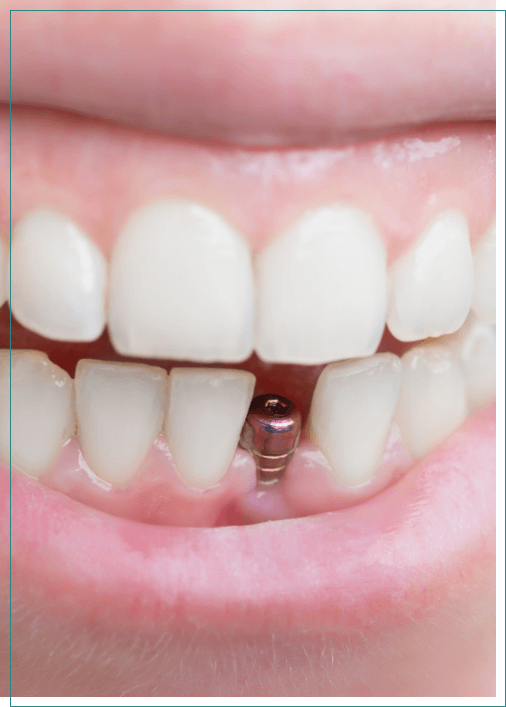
[[501, 585]]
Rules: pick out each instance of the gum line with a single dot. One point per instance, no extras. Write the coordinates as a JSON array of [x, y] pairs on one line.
[[157, 495]]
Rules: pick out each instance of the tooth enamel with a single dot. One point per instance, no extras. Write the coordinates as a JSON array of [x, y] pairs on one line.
[[474, 346], [322, 289], [432, 402], [206, 411], [181, 286], [42, 410], [351, 413], [4, 272], [432, 285], [484, 279], [120, 410], [59, 278]]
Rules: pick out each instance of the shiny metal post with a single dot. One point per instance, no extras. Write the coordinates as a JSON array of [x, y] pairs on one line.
[[270, 434]]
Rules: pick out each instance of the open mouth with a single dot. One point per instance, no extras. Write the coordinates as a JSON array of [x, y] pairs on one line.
[[159, 283], [309, 316]]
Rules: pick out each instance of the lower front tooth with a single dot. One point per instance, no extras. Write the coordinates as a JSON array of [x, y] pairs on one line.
[[120, 410], [42, 410], [206, 411], [432, 402], [351, 414], [474, 346]]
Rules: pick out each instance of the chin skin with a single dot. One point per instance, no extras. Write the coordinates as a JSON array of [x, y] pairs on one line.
[[76, 632], [448, 652]]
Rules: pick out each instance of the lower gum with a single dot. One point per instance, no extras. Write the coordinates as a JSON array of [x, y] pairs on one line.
[[157, 495]]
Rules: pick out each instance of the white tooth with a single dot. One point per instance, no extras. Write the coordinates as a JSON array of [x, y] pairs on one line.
[[59, 278], [474, 346], [432, 285], [322, 289], [432, 401], [206, 411], [4, 271], [120, 410], [42, 411], [351, 413], [181, 286], [484, 279]]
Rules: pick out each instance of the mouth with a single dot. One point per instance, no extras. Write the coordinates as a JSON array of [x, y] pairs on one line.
[[155, 296]]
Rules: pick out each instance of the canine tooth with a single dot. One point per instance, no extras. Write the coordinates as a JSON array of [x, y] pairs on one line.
[[474, 346], [181, 286], [484, 278], [432, 401], [59, 278], [206, 411], [351, 413], [431, 287], [42, 410], [4, 271], [322, 289], [120, 411]]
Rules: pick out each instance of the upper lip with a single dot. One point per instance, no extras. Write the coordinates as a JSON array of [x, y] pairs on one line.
[[232, 77]]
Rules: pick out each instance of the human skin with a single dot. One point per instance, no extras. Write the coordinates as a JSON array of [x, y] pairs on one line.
[[392, 597]]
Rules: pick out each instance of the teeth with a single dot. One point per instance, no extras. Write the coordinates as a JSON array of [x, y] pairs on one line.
[[322, 289], [432, 402], [484, 279], [206, 412], [120, 411], [4, 272], [432, 285], [351, 413], [59, 278], [42, 410], [474, 346], [181, 286]]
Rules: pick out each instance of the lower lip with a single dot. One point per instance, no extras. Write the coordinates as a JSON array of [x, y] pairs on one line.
[[386, 560]]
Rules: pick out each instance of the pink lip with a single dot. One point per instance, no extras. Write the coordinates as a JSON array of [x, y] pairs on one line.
[[383, 562], [231, 75]]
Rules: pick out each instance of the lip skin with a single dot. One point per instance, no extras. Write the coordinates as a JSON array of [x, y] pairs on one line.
[[390, 597], [338, 71]]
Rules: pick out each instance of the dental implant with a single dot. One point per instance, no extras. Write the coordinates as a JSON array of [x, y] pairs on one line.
[[270, 434]]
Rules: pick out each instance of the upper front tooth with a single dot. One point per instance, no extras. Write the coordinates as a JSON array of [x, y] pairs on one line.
[[206, 411], [432, 285], [322, 289], [120, 411], [351, 413], [432, 401], [42, 410], [59, 278], [4, 271], [484, 278], [181, 286]]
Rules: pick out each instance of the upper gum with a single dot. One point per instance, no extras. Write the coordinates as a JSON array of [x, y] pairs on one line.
[[260, 193]]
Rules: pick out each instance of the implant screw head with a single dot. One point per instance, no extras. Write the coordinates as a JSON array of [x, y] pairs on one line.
[[270, 434]]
